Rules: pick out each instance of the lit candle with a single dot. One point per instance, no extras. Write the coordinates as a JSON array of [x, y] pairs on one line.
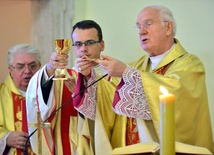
[[167, 123]]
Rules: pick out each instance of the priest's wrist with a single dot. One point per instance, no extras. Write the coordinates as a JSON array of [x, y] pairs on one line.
[[50, 69]]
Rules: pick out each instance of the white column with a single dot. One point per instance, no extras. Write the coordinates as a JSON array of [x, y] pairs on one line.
[[51, 19]]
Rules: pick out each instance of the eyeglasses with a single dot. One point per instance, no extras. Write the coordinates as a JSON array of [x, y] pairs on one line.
[[146, 24], [21, 67], [86, 43]]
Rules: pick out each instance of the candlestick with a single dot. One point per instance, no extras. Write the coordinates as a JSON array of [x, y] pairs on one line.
[[167, 123]]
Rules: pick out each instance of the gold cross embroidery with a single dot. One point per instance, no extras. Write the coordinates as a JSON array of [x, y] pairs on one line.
[[39, 125]]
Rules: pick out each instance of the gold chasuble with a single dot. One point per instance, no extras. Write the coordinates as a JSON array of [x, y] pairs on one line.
[[13, 113], [192, 116], [113, 125], [183, 75]]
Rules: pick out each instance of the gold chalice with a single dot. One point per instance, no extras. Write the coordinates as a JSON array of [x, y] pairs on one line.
[[62, 47]]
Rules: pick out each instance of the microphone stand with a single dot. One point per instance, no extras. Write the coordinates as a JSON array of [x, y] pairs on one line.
[[25, 151]]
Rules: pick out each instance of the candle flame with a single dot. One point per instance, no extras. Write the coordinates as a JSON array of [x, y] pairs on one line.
[[163, 90]]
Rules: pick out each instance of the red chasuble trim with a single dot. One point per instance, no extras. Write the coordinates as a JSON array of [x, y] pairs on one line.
[[161, 70], [66, 113], [20, 118], [132, 135]]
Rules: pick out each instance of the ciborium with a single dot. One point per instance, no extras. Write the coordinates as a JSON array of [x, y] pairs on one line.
[[62, 46]]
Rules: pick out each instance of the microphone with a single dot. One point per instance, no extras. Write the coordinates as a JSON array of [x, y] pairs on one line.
[[25, 151]]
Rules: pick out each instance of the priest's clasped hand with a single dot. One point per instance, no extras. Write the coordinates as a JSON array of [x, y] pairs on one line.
[[17, 139], [112, 66]]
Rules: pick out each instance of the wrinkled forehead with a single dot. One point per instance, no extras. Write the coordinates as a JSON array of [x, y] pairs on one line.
[[85, 34], [148, 14]]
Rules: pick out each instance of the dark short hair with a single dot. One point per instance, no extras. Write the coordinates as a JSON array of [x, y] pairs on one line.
[[88, 24]]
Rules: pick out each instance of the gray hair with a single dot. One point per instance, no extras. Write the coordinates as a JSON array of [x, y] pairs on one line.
[[165, 15], [22, 48]]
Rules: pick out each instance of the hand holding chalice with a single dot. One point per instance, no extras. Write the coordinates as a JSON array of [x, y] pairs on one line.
[[62, 46]]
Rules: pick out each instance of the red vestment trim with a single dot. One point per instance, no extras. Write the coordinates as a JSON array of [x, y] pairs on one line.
[[20, 118], [132, 135], [162, 70], [66, 113]]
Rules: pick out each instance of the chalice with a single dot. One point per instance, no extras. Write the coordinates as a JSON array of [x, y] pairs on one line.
[[62, 46]]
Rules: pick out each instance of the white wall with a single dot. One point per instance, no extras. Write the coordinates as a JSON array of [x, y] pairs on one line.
[[195, 29]]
